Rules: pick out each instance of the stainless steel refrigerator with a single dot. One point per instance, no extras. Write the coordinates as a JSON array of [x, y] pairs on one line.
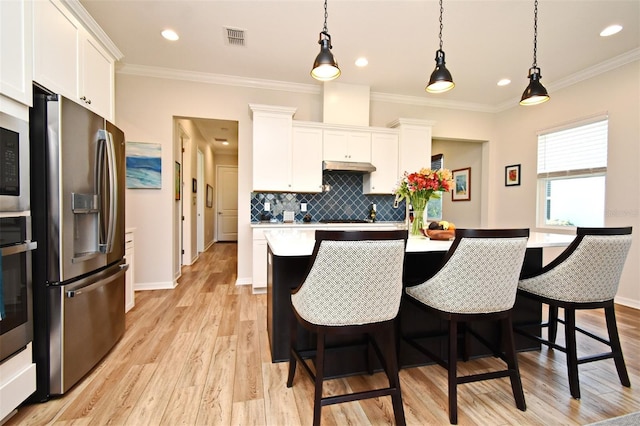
[[77, 206]]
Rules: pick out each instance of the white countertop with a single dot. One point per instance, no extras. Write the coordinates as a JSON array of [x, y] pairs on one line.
[[300, 242], [336, 226]]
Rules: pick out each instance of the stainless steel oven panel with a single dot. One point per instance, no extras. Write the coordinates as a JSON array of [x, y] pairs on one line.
[[16, 261], [19, 202], [87, 320]]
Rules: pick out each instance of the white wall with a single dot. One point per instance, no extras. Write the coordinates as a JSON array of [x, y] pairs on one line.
[[145, 107], [516, 143]]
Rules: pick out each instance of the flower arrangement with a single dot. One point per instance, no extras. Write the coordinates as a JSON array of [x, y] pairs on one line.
[[418, 188]]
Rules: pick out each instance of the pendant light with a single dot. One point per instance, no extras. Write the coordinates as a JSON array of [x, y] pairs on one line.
[[441, 80], [325, 67], [535, 93]]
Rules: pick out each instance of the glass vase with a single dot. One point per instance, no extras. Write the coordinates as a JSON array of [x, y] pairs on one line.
[[418, 222]]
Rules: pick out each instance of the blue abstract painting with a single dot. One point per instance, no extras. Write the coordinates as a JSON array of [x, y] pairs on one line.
[[144, 165]]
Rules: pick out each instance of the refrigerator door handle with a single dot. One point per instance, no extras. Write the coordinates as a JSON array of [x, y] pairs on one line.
[[106, 154], [98, 284]]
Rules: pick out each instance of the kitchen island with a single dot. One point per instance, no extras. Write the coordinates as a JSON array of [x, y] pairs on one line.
[[289, 251]]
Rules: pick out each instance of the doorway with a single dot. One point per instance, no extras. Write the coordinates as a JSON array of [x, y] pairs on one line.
[[227, 202]]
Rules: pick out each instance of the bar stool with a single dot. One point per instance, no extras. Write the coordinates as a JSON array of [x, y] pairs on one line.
[[584, 276], [477, 282], [353, 286]]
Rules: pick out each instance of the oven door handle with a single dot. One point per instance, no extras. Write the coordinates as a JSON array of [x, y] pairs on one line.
[[19, 248]]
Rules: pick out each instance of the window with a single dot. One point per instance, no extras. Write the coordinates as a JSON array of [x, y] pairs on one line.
[[434, 206], [572, 167]]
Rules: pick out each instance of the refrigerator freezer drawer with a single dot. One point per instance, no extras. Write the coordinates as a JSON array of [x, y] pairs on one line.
[[87, 320]]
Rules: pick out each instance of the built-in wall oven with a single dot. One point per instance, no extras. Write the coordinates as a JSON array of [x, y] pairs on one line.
[[16, 316]]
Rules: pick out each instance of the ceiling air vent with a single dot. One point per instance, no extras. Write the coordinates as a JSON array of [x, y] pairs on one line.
[[234, 36]]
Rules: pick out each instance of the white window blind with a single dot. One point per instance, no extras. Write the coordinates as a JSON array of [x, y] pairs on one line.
[[576, 151]]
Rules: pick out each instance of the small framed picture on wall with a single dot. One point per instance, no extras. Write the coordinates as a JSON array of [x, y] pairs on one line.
[[512, 175], [461, 185]]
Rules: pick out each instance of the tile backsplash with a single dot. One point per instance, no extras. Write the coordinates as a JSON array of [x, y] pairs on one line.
[[343, 200]]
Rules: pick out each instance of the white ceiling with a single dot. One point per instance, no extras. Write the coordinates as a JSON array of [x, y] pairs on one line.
[[484, 41]]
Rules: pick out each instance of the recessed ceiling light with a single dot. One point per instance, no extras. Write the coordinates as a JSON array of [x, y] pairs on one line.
[[225, 143], [611, 30], [504, 82], [362, 62], [170, 35]]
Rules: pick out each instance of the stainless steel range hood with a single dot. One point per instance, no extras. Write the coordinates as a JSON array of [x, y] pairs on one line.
[[347, 166]]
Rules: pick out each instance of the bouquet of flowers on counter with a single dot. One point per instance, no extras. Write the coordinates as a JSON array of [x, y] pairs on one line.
[[418, 188]]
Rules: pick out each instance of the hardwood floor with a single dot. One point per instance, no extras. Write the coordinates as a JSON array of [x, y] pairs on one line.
[[199, 355]]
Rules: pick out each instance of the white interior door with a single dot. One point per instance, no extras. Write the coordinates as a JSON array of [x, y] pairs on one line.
[[201, 196], [227, 203]]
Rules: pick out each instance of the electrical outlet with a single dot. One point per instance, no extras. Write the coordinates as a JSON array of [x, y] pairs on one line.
[[267, 206], [303, 207]]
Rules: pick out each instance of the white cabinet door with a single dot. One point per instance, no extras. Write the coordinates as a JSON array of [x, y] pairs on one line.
[[306, 159], [359, 146], [129, 283], [55, 48], [259, 269], [16, 47], [272, 148], [69, 61], [346, 145], [96, 78], [415, 147], [384, 155]]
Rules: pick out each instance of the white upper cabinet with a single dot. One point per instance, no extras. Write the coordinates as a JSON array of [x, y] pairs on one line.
[[16, 51], [272, 148], [415, 144], [346, 145], [69, 61], [306, 158], [384, 155]]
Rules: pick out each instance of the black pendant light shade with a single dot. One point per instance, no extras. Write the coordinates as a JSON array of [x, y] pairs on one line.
[[441, 79], [535, 93], [325, 67]]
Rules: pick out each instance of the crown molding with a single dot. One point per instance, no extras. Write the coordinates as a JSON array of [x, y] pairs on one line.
[[78, 10], [225, 80]]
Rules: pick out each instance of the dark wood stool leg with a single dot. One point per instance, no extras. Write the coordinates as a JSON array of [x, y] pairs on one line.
[[292, 347], [616, 348], [370, 354], [391, 364], [512, 362], [572, 354], [317, 399], [453, 374], [553, 324]]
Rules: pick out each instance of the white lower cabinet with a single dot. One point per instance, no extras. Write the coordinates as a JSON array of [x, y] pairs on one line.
[[129, 290], [259, 270], [17, 381]]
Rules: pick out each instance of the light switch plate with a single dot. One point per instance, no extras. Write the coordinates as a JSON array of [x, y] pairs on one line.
[[303, 207], [267, 206]]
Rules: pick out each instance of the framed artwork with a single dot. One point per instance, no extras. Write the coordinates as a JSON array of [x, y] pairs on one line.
[[177, 184], [144, 165], [194, 185], [512, 175], [461, 185], [209, 196]]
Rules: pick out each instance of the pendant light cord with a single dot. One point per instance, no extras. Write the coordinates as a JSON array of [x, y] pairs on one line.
[[326, 15], [535, 34], [440, 35]]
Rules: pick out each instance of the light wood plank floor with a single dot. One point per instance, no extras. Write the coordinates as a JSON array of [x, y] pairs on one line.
[[199, 355]]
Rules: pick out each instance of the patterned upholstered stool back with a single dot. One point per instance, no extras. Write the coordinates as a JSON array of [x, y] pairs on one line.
[[352, 283], [480, 276], [590, 273]]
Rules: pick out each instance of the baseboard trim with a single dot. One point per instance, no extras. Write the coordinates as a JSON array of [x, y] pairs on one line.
[[243, 281], [632, 303], [163, 285]]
